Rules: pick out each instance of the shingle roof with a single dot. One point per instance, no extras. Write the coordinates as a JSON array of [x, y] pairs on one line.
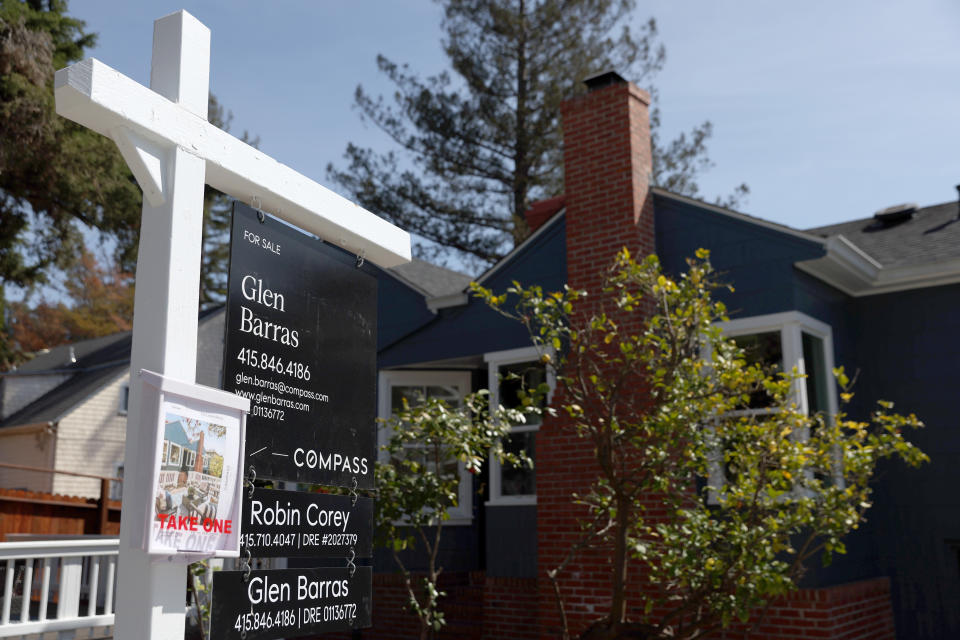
[[54, 404], [87, 353], [430, 278], [931, 235]]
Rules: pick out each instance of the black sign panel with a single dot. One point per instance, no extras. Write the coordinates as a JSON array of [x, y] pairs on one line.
[[301, 344], [297, 524], [285, 603]]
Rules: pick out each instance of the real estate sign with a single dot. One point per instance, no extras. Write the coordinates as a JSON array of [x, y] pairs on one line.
[[300, 524], [301, 345], [285, 603]]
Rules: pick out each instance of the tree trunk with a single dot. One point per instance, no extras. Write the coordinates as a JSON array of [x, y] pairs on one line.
[[603, 630], [618, 604]]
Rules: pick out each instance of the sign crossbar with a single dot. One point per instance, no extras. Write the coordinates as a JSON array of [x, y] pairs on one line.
[[103, 99]]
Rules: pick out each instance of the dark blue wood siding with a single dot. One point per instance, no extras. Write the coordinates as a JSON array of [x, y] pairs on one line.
[[908, 347], [501, 540], [512, 541], [400, 309], [757, 261], [473, 328]]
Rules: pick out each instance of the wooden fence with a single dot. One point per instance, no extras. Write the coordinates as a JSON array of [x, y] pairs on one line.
[[38, 513]]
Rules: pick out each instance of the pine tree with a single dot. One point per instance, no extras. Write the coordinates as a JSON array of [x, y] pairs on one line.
[[217, 207], [476, 147], [53, 172]]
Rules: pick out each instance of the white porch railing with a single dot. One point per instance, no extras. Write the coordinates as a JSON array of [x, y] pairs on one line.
[[75, 577]]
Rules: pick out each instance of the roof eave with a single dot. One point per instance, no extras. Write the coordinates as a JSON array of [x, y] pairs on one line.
[[462, 297], [849, 269], [457, 299], [32, 427]]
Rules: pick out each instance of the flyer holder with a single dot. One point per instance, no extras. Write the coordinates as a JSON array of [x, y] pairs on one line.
[[198, 436]]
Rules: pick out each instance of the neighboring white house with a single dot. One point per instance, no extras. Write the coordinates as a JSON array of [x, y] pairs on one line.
[[66, 409]]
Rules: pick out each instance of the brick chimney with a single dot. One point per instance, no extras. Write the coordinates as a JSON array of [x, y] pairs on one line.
[[198, 463], [607, 166], [607, 162], [542, 210]]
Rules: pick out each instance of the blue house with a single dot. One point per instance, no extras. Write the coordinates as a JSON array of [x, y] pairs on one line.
[[179, 453], [879, 294]]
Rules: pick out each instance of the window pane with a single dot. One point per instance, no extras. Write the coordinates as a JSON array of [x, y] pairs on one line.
[[450, 395], [763, 349], [413, 394], [519, 481], [530, 375], [814, 362]]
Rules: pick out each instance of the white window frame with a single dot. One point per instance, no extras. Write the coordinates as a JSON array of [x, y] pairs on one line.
[[462, 514], [191, 458], [116, 488], [791, 325], [123, 403], [495, 360], [179, 459]]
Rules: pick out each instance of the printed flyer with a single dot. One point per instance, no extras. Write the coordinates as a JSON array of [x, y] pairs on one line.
[[197, 476]]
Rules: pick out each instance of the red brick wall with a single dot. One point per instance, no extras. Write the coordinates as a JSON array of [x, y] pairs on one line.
[[853, 611], [510, 609], [482, 607], [476, 606], [541, 211]]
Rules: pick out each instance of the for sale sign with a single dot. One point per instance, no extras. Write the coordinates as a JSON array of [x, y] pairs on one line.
[[298, 524], [286, 603], [301, 345]]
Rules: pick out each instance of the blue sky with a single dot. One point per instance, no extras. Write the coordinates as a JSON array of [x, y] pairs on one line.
[[827, 110]]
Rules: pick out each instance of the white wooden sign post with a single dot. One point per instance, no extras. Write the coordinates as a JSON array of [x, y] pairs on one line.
[[172, 150]]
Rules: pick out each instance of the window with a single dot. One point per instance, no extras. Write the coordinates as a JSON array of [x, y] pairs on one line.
[[116, 488], [175, 451], [191, 457], [450, 386], [124, 399], [787, 340], [163, 454], [511, 485]]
